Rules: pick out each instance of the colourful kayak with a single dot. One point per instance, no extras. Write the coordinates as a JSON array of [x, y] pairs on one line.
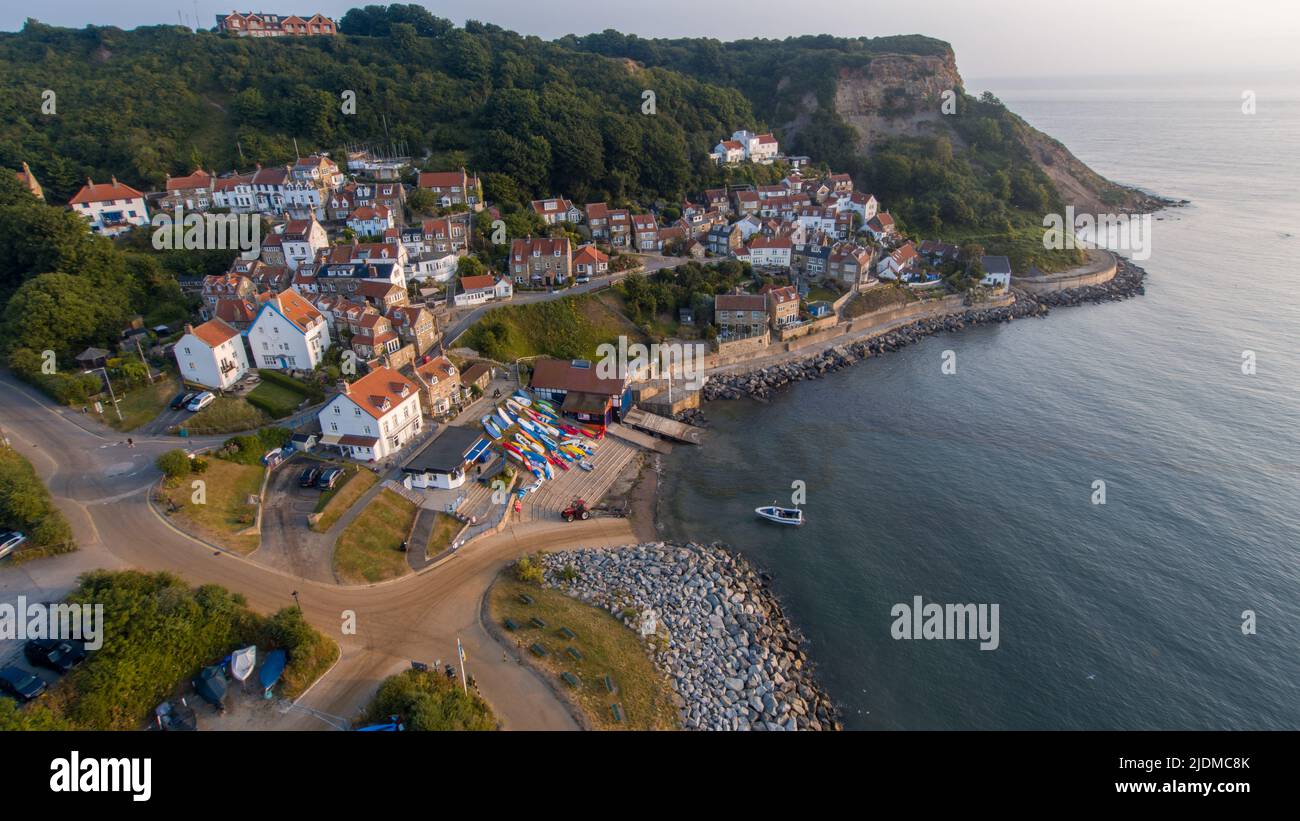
[[491, 427]]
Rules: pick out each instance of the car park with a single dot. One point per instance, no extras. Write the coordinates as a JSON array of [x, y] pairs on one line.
[[55, 654], [200, 401], [309, 477], [22, 685], [10, 541], [329, 478]]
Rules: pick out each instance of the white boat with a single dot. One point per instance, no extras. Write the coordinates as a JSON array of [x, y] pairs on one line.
[[242, 663], [781, 515]]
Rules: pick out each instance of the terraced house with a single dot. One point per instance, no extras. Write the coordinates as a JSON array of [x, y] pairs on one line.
[[374, 417], [740, 315], [259, 24], [541, 260]]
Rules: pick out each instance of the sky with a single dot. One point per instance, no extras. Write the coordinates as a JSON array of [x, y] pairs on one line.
[[992, 38]]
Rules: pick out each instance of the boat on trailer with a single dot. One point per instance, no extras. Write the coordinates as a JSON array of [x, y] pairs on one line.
[[780, 515]]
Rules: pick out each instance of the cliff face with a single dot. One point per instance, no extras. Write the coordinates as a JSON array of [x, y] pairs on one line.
[[903, 95], [896, 96]]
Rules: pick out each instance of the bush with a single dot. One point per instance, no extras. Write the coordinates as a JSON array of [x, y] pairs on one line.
[[429, 701], [250, 448], [158, 633], [529, 570], [312, 391], [25, 505], [173, 463]]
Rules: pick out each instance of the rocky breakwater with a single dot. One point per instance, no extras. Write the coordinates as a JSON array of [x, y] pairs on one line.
[[713, 626], [761, 383]]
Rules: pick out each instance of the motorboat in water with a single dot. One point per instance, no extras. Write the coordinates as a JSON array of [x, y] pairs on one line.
[[780, 515]]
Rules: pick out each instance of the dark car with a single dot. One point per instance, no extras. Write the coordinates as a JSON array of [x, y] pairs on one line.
[[20, 684], [55, 654], [330, 478], [180, 400], [309, 477]]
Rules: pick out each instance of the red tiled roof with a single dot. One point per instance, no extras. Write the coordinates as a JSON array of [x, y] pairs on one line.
[[214, 332], [104, 191], [371, 390]]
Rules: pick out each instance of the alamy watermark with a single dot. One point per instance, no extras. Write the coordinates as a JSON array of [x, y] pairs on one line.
[[676, 360], [207, 232], [919, 620], [1116, 232], [65, 620]]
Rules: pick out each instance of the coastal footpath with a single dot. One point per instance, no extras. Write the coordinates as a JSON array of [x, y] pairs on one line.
[[761, 383], [712, 625]]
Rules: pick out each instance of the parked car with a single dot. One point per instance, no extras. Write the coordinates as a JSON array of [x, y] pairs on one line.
[[55, 654], [180, 400], [329, 478], [10, 541], [20, 684], [200, 401], [273, 457], [309, 477], [583, 280]]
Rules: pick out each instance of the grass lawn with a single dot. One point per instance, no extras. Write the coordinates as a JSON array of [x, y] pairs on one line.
[[568, 328], [142, 404], [276, 400], [878, 297], [226, 415], [607, 647], [334, 503], [819, 293], [444, 530], [368, 549], [226, 510]]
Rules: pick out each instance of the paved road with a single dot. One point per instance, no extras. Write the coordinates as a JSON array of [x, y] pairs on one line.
[[650, 265], [103, 488]]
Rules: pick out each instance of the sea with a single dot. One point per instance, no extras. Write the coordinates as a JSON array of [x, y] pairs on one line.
[[1121, 480]]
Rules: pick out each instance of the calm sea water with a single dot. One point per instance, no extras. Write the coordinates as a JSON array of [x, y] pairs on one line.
[[977, 487]]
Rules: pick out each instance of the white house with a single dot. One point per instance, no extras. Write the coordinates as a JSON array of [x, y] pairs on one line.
[[770, 252], [370, 221], [900, 262], [211, 355], [556, 210], [301, 240], [997, 272], [374, 417], [728, 152], [288, 333], [480, 289], [444, 462], [111, 208]]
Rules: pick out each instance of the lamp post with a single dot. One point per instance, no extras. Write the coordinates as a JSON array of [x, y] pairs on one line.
[[111, 396]]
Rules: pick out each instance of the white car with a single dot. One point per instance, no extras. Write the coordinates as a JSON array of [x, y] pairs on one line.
[[10, 541], [200, 402]]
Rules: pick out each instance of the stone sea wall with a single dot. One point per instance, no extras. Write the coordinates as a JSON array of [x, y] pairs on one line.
[[719, 633], [760, 384]]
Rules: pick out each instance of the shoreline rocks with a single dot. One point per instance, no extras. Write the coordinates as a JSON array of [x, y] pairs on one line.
[[760, 384], [713, 626]]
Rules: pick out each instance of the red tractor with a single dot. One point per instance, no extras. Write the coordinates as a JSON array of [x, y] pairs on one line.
[[577, 509]]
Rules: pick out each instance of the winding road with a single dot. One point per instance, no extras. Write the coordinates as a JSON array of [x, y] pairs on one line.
[[103, 485]]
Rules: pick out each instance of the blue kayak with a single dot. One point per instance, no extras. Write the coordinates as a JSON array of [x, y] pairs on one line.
[[272, 669]]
